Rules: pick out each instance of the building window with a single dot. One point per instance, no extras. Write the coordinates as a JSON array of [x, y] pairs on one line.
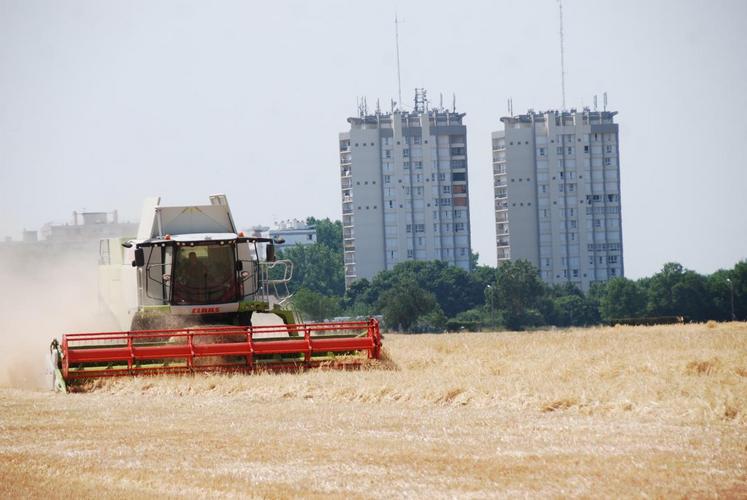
[[387, 179], [607, 162], [408, 228], [419, 228], [446, 189], [459, 226], [541, 152], [387, 153]]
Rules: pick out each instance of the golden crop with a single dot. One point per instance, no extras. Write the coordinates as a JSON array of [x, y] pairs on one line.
[[623, 411]]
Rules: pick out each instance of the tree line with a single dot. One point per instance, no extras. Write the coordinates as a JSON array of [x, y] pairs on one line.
[[433, 296]]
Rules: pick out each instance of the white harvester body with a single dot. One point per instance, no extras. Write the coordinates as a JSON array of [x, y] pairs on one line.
[[189, 265]]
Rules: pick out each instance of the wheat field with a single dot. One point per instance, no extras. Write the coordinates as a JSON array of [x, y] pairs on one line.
[[602, 412]]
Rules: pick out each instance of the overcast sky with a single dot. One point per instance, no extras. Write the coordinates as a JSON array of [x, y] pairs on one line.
[[105, 103]]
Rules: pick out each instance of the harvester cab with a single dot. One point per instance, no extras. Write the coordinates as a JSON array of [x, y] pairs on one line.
[[195, 294], [190, 266]]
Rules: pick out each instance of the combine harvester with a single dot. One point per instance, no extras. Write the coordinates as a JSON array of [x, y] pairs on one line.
[[194, 294]]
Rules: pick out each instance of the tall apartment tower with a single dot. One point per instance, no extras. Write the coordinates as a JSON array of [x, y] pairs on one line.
[[404, 190], [557, 194]]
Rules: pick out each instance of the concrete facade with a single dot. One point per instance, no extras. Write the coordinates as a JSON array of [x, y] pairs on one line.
[[404, 190], [557, 194]]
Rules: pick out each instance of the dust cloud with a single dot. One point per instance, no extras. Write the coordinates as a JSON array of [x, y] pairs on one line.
[[45, 291]]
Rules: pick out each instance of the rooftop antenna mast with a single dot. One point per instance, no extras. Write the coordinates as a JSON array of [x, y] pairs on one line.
[[399, 78], [562, 54], [420, 100]]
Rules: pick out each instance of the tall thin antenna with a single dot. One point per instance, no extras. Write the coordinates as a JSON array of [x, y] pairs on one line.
[[562, 54], [399, 78]]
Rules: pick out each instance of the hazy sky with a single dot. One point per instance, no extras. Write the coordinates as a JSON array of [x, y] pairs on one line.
[[105, 103]]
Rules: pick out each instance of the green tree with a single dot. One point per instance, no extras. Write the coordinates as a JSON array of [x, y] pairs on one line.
[[574, 310], [405, 303], [474, 257], [315, 306], [316, 267], [719, 289], [454, 288], [517, 293], [622, 298], [328, 233], [676, 291], [738, 277]]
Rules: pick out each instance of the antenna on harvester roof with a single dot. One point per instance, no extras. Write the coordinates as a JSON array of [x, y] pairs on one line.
[[396, 42], [562, 54]]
